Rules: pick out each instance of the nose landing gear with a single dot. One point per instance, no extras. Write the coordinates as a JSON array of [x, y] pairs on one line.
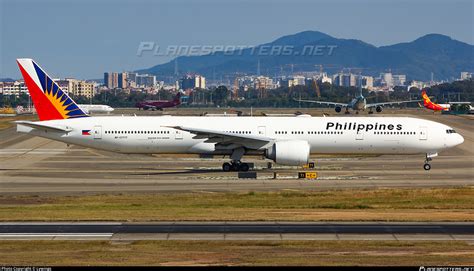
[[429, 158]]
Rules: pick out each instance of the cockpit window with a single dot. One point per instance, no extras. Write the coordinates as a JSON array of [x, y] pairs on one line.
[[450, 131]]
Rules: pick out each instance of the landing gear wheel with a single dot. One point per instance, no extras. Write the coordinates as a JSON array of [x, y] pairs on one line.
[[226, 167], [244, 167], [235, 166], [427, 166]]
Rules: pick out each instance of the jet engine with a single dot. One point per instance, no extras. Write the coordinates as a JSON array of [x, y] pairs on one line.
[[379, 108], [338, 109], [291, 152]]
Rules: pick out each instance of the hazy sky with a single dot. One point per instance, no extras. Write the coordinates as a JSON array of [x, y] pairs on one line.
[[83, 39]]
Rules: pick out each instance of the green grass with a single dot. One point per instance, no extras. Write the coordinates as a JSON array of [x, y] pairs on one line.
[[436, 204], [236, 253]]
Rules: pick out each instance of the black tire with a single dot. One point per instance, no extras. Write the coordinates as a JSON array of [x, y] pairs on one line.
[[244, 167], [226, 167], [427, 166]]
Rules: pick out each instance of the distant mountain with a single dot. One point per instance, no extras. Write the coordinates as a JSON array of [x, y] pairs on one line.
[[439, 54]]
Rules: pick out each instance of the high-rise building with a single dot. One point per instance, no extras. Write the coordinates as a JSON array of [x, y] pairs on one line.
[[298, 80], [131, 76], [345, 80], [399, 79], [111, 80], [386, 79], [115, 80], [122, 80], [325, 78], [192, 82], [466, 75], [83, 88], [64, 84], [292, 81], [263, 82], [107, 79], [367, 82], [145, 80], [77, 87], [13, 88], [199, 81]]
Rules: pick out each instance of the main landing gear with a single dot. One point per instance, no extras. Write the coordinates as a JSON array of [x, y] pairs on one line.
[[429, 158], [235, 164]]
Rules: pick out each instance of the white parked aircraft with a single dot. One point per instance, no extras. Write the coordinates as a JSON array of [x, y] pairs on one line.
[[95, 108], [285, 140]]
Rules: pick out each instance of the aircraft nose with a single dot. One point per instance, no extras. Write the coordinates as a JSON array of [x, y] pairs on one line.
[[456, 139], [459, 139]]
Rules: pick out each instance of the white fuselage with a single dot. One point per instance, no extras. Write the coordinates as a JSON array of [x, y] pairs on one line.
[[337, 135]]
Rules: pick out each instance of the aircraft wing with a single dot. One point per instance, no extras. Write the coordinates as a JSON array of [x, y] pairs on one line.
[[459, 102], [226, 139], [42, 126], [323, 102], [391, 103]]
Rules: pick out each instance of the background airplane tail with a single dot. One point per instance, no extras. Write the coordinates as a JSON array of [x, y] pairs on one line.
[[177, 98], [50, 101], [426, 99]]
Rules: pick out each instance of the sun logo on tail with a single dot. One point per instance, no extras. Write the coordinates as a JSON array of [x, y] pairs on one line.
[[56, 99], [65, 106]]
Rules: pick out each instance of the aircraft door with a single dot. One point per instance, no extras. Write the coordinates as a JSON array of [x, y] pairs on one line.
[[178, 135], [97, 132], [262, 130], [359, 135], [423, 133]]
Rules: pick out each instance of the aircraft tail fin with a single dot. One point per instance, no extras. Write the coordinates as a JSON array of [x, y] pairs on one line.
[[425, 97], [177, 98], [50, 101]]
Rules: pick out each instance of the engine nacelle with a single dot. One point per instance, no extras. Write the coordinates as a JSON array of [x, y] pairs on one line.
[[338, 109], [379, 108], [290, 153]]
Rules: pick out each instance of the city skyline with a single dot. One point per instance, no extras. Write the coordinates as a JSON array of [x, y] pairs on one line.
[[104, 36]]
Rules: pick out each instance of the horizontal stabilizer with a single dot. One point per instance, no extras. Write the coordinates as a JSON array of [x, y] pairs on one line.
[[42, 126]]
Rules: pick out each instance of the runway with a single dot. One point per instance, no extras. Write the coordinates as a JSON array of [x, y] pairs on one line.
[[238, 231], [41, 166]]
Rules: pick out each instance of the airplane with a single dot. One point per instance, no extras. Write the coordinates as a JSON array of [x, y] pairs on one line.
[[357, 104], [284, 140], [427, 103], [159, 104], [95, 108]]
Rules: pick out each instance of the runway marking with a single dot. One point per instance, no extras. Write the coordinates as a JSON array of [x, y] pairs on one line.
[[38, 146], [55, 235]]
